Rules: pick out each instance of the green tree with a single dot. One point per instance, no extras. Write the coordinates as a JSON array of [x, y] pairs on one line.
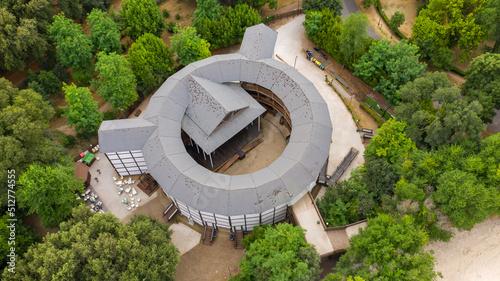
[[390, 67], [82, 110], [152, 61], [24, 116], [95, 246], [451, 23], [115, 82], [396, 20], [72, 9], [229, 26], [490, 19], [20, 41], [142, 16], [48, 84], [25, 237], [354, 39], [389, 248], [282, 254], [390, 143], [483, 84], [317, 5], [104, 31], [102, 5], [205, 9], [463, 199], [380, 177], [74, 48], [188, 46], [50, 192], [430, 128], [326, 35], [257, 4], [312, 23]]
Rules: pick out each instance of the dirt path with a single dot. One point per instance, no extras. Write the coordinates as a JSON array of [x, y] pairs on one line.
[[470, 255]]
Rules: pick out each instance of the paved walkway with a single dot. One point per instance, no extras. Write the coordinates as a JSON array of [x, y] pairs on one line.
[[291, 40]]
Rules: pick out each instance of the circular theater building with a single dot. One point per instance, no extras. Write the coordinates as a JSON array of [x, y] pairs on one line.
[[200, 109]]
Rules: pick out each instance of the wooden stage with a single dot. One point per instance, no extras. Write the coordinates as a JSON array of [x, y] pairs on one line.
[[226, 151]]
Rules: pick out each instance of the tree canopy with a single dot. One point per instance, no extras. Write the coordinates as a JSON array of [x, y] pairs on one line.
[[429, 127], [45, 83], [281, 253], [324, 29], [483, 84], [74, 47], [151, 60], [489, 17], [396, 20], [104, 31], [115, 82], [142, 16], [189, 46], [229, 26], [95, 246], [50, 191], [205, 9], [388, 67], [24, 116], [354, 39], [389, 248], [335, 6], [451, 23], [82, 110]]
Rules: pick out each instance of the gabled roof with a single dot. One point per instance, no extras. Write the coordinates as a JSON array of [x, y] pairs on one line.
[[258, 42], [210, 102]]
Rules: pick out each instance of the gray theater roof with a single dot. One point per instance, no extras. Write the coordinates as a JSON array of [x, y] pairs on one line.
[[286, 180]]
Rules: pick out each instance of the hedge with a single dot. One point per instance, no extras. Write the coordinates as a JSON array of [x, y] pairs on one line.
[[375, 116]]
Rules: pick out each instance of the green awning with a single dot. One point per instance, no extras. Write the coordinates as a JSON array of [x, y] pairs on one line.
[[88, 157]]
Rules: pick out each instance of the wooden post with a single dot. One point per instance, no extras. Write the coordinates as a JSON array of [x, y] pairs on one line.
[[211, 162], [259, 124]]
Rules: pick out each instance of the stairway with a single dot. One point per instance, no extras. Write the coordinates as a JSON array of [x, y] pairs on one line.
[[208, 235], [238, 238]]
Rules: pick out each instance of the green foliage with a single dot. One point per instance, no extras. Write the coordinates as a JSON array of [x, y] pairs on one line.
[[104, 31], [20, 37], [102, 5], [205, 9], [48, 83], [166, 14], [451, 23], [389, 248], [115, 82], [61, 73], [152, 61], [74, 48], [189, 46], [396, 20], [177, 16], [327, 35], [257, 4], [171, 27], [490, 19], [25, 237], [463, 199], [281, 254], [390, 143], [140, 17], [50, 192], [24, 116], [109, 115], [82, 110], [229, 26], [380, 177], [368, 3], [441, 58], [354, 39], [335, 6], [430, 128], [258, 233], [97, 246], [483, 84], [347, 202], [389, 67], [377, 118], [72, 9]]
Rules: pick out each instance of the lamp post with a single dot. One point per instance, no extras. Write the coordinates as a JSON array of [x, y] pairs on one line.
[[380, 18]]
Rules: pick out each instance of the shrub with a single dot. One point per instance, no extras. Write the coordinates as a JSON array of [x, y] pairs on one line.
[[109, 115], [177, 17], [166, 14], [171, 26], [68, 141], [61, 72], [372, 114]]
